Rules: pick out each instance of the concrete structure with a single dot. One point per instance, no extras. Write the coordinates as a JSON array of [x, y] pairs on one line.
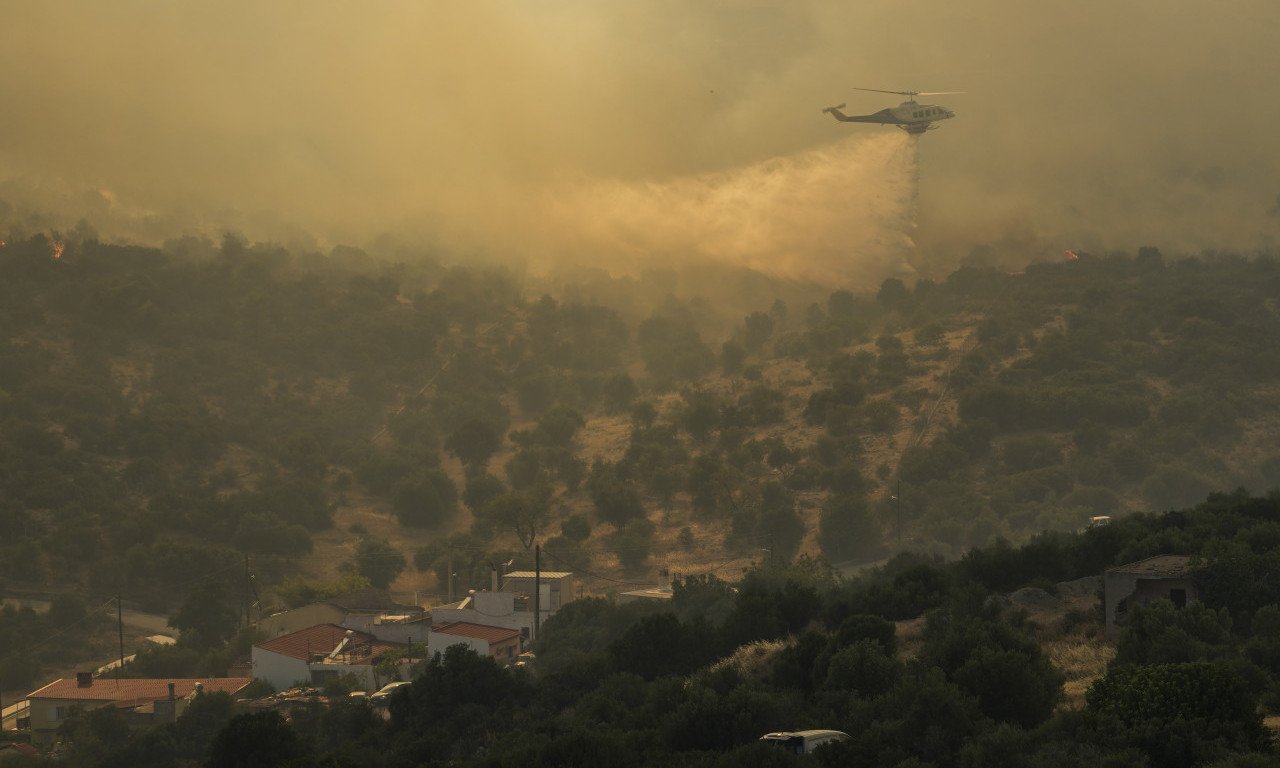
[[556, 586], [500, 643], [358, 610], [318, 654], [148, 701], [1165, 577], [494, 609], [398, 629]]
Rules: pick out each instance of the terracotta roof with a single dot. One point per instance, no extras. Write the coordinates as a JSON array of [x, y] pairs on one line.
[[322, 639], [478, 631], [134, 689], [370, 600], [1158, 566]]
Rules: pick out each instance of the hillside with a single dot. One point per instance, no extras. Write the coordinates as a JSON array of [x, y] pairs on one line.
[[175, 410]]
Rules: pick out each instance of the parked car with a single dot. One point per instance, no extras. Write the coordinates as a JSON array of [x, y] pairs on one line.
[[803, 742], [383, 697]]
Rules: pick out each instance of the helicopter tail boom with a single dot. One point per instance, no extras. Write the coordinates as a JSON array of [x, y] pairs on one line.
[[884, 117]]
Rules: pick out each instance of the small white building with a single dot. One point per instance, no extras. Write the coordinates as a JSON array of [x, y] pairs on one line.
[[359, 610], [1166, 577], [555, 588], [318, 654], [494, 609]]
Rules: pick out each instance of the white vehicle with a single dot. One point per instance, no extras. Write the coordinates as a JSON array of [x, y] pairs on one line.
[[383, 697], [803, 742]]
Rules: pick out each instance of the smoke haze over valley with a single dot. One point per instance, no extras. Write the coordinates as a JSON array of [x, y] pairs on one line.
[[649, 132]]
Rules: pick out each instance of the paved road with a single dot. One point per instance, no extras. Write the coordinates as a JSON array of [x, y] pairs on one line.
[[153, 623]]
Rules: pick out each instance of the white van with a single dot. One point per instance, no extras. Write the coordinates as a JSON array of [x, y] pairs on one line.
[[803, 742]]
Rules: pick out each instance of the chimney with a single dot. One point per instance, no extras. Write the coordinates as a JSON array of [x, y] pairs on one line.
[[84, 679], [171, 692], [493, 577]]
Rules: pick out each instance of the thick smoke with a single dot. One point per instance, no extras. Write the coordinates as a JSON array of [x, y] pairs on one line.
[[840, 214], [648, 131]]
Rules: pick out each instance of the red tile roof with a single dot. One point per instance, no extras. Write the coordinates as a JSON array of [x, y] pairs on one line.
[[478, 631], [323, 638], [135, 689]]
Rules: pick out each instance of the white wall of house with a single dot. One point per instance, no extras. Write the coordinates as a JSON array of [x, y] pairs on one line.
[[396, 632], [284, 671], [438, 643], [278, 669], [493, 609]]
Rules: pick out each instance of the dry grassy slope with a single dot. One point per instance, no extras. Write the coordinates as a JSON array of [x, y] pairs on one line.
[[606, 438]]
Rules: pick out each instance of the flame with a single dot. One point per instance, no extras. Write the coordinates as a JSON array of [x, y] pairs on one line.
[[58, 247], [1071, 255]]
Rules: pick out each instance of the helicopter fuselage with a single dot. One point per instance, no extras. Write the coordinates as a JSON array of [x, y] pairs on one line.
[[918, 118], [910, 116]]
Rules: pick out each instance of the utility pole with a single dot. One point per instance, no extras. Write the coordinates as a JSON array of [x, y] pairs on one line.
[[899, 500], [450, 578], [245, 590], [537, 588], [120, 631]]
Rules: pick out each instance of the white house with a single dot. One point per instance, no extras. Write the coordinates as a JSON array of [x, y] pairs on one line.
[[318, 654], [359, 610], [494, 609], [500, 643], [554, 587]]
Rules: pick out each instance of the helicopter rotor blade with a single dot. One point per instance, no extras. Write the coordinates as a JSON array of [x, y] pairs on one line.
[[877, 90], [939, 93]]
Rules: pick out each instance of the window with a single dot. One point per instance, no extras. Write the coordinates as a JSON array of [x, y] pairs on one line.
[[1178, 597]]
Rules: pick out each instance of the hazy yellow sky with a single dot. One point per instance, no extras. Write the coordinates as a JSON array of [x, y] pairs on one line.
[[620, 130]]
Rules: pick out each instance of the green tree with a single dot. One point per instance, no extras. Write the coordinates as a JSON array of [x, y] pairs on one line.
[[378, 561], [205, 618], [481, 489], [619, 391], [66, 609], [617, 502], [256, 740], [424, 499], [522, 512], [893, 294], [1179, 714], [473, 443], [759, 327]]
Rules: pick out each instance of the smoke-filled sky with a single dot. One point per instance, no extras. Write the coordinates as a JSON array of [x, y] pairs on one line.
[[649, 130]]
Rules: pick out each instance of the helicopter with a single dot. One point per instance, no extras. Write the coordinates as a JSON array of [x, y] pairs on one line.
[[911, 117]]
